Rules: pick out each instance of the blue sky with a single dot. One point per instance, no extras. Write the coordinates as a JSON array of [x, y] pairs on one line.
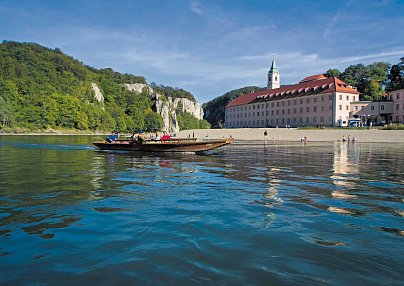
[[211, 47]]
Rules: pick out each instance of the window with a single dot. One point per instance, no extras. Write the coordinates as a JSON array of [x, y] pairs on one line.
[[347, 97], [322, 98], [288, 102], [277, 112], [362, 108], [322, 119], [372, 107], [340, 107], [276, 78], [272, 112], [330, 97], [307, 109], [283, 103], [340, 97], [294, 110], [397, 107], [322, 108], [258, 113], [277, 104], [398, 97], [314, 119], [307, 120], [301, 101], [330, 107], [273, 104], [347, 107], [382, 107], [308, 100], [295, 101], [283, 111], [314, 108], [315, 99], [301, 109]]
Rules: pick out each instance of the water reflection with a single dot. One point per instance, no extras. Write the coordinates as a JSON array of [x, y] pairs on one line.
[[277, 212]]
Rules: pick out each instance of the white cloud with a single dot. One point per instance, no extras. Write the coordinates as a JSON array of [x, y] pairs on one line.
[[196, 8], [331, 24]]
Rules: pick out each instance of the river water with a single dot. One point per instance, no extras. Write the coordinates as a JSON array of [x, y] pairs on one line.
[[245, 214]]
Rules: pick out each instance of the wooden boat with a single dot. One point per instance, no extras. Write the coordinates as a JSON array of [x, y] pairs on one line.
[[171, 145]]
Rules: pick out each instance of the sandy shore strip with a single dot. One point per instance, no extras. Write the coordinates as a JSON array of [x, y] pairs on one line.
[[293, 134]]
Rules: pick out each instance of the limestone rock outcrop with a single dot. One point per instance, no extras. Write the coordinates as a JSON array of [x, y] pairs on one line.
[[167, 107], [97, 92]]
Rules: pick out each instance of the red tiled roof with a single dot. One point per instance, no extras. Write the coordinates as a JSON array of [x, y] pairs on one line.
[[318, 84], [313, 77]]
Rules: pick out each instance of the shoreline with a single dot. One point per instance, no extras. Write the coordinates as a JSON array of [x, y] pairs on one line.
[[372, 135]]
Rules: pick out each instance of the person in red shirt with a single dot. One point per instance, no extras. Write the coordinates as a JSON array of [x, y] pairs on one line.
[[165, 137]]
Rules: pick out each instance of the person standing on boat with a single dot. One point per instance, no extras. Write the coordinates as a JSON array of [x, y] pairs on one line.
[[111, 138]]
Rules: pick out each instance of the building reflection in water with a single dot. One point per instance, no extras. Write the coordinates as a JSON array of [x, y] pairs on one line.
[[345, 173]]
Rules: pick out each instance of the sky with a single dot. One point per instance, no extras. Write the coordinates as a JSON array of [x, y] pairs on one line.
[[210, 47]]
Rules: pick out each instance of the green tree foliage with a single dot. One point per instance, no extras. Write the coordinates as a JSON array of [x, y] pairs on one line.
[[332, 73], [172, 92], [395, 78], [152, 121], [370, 80], [215, 109], [42, 88], [187, 121]]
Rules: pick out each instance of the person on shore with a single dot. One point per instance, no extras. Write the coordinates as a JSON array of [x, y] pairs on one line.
[[354, 140], [343, 138], [111, 138]]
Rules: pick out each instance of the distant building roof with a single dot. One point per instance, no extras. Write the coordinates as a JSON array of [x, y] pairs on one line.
[[316, 84]]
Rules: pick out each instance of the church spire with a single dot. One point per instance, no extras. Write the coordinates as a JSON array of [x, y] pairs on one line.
[[274, 80]]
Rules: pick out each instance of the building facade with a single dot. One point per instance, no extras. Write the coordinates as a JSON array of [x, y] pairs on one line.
[[397, 100], [314, 101]]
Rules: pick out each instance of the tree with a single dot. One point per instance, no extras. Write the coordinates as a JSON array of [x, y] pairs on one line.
[[370, 80], [395, 78], [152, 121], [332, 73]]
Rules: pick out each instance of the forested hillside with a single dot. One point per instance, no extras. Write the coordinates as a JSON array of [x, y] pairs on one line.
[[214, 109], [42, 88]]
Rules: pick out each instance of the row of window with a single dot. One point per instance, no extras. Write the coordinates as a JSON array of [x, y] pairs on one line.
[[301, 120], [283, 111], [391, 96]]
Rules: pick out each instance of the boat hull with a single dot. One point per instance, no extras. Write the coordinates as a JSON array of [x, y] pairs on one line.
[[180, 145]]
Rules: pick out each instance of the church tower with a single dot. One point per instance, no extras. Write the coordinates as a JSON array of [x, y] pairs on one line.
[[274, 78]]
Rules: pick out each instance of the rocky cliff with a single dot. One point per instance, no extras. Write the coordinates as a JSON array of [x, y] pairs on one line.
[[166, 106]]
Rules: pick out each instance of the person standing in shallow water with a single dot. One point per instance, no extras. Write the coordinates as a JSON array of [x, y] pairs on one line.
[[265, 136]]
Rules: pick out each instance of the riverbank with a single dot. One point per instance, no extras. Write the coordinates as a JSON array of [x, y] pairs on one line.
[[293, 134]]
